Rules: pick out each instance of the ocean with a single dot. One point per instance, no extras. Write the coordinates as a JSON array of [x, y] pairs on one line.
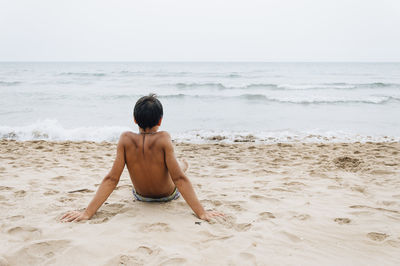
[[203, 101]]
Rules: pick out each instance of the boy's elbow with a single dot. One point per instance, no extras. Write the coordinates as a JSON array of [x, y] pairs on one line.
[[111, 179], [180, 180]]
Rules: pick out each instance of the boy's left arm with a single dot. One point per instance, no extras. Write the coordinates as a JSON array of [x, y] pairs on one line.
[[106, 187]]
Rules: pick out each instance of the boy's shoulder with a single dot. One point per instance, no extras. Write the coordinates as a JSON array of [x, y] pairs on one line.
[[164, 134], [127, 135], [163, 137]]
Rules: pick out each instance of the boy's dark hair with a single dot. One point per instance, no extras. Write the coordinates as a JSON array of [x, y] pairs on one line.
[[148, 111]]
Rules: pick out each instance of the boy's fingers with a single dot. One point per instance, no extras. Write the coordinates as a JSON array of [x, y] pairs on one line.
[[69, 216], [66, 215], [72, 218]]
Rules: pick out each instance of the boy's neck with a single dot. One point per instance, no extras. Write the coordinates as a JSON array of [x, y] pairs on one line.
[[149, 131]]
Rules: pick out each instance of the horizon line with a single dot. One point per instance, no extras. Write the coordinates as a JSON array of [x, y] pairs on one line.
[[184, 61]]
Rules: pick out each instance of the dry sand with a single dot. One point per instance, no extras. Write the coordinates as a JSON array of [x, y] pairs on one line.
[[310, 204]]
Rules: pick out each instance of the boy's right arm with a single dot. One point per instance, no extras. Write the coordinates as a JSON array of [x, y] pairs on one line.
[[183, 183], [106, 187]]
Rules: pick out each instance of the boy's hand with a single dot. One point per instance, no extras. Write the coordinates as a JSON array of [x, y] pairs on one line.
[[75, 216], [210, 214]]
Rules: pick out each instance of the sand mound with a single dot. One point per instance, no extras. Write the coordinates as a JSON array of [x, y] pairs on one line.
[[347, 163]]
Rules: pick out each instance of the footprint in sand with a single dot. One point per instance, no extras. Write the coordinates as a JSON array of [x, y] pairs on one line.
[[262, 198], [59, 178], [222, 166], [25, 232], [266, 216], [51, 192], [302, 217], [342, 220], [147, 250], [358, 189], [124, 259], [5, 188], [242, 227], [65, 199], [377, 236], [37, 252], [291, 237], [15, 218], [174, 261], [211, 237], [20, 193], [235, 207], [155, 227]]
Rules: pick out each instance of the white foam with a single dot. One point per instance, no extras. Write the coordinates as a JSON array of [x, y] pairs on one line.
[[284, 136], [49, 129], [52, 130]]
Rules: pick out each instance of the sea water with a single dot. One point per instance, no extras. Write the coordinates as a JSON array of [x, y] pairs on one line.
[[215, 101]]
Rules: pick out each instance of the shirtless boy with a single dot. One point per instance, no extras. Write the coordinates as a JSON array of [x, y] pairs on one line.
[[149, 156]]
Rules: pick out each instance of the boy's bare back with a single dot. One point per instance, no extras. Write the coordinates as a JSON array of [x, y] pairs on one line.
[[145, 157]]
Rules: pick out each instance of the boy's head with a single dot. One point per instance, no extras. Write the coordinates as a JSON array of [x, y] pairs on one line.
[[148, 111]]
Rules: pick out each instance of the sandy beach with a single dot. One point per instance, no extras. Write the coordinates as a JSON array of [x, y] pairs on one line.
[[285, 204]]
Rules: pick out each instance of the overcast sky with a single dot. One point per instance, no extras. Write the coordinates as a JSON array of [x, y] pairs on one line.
[[201, 30]]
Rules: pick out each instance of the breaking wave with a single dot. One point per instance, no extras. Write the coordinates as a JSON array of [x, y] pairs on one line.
[[49, 129], [371, 100], [292, 100], [271, 86], [9, 83], [83, 74], [52, 130]]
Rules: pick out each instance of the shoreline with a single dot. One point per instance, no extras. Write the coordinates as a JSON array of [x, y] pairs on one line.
[[215, 140], [301, 203]]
